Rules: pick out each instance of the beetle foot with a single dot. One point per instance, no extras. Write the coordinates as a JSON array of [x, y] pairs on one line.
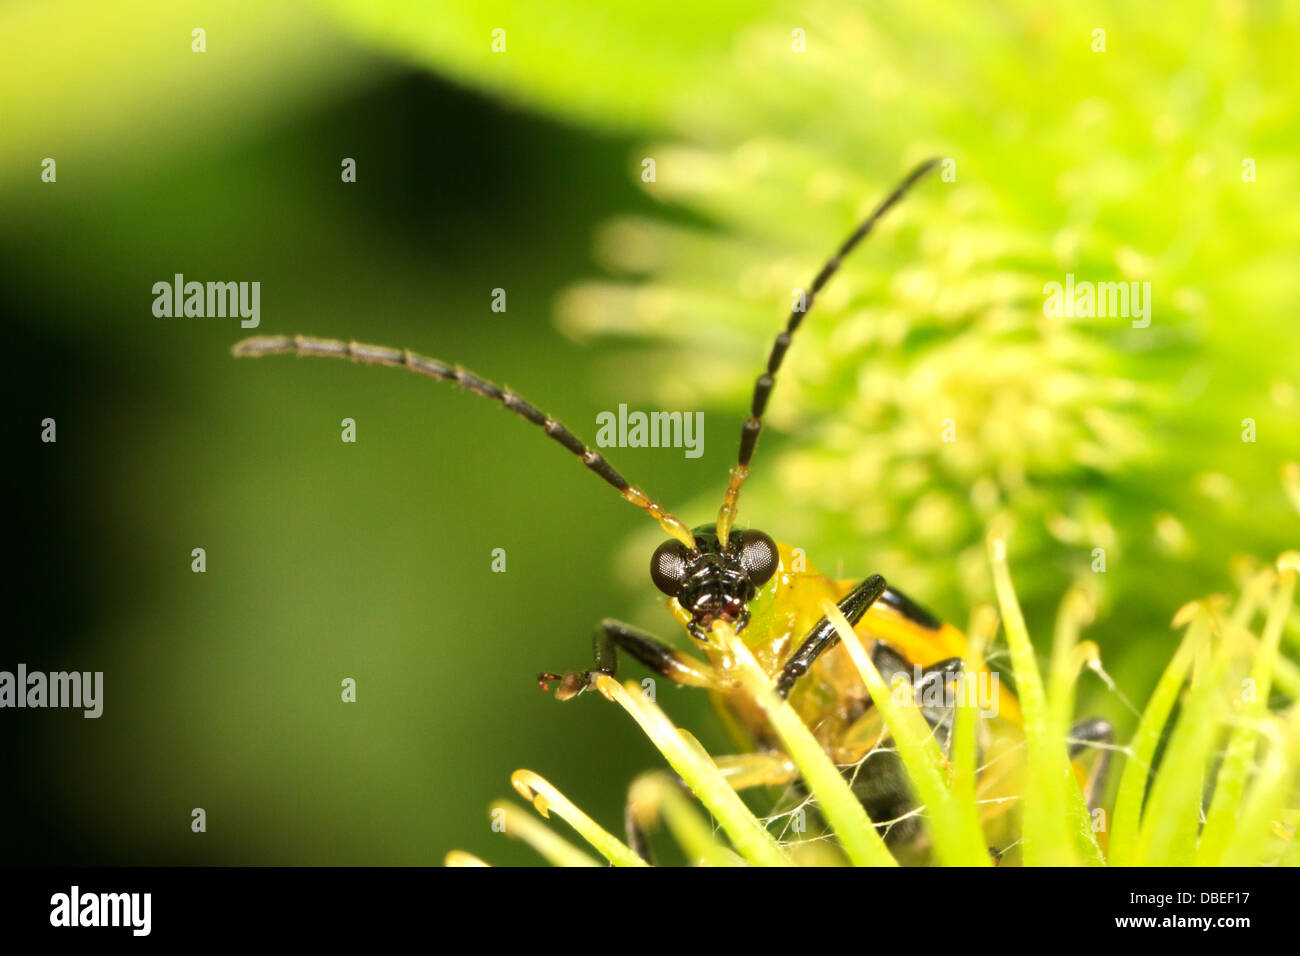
[[572, 683]]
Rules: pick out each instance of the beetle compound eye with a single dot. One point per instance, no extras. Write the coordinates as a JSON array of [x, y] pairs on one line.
[[758, 557], [668, 567]]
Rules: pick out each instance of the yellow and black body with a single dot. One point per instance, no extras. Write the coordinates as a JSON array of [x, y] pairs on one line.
[[831, 699]]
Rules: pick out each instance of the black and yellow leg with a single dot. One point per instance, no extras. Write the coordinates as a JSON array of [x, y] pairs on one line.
[[927, 688], [930, 689], [1099, 734], [823, 636], [659, 657], [878, 778], [939, 674]]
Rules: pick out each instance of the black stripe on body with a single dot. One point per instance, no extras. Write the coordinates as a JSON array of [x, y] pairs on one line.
[[909, 609]]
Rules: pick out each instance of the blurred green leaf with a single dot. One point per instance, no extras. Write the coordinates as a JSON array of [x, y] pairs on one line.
[[122, 90], [624, 65]]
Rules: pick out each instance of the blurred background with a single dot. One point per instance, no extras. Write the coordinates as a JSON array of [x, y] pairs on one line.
[[521, 170]]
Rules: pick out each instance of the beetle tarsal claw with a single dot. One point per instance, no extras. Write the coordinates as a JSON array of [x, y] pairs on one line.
[[571, 683]]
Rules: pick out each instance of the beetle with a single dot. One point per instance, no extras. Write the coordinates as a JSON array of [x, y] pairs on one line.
[[773, 600]]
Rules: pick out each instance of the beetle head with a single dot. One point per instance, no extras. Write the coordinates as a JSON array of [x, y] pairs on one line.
[[713, 581]]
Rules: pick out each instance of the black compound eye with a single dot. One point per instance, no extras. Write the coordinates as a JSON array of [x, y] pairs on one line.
[[758, 557], [668, 567]]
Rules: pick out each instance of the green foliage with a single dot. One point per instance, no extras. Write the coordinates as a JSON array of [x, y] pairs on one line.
[[111, 91], [631, 65]]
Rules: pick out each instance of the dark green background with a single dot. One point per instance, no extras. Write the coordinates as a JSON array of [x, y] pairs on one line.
[[325, 560]]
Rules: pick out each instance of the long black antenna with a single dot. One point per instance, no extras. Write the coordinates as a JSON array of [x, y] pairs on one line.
[[261, 345], [765, 382]]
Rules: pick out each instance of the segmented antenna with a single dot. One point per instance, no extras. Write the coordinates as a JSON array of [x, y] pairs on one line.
[[261, 345], [763, 385]]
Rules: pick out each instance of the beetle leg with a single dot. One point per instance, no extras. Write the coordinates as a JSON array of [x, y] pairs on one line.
[[823, 636], [938, 676], [1094, 730], [868, 731], [933, 681], [866, 752], [741, 771], [659, 657]]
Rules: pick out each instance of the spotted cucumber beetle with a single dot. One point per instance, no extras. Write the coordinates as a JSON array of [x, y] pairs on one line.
[[773, 600]]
